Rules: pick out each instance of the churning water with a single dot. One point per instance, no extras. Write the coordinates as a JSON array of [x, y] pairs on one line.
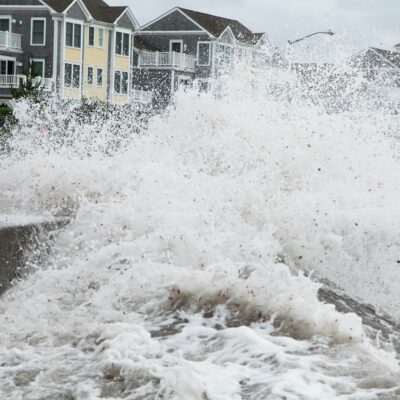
[[183, 273]]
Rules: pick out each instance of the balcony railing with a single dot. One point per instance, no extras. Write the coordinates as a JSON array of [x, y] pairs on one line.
[[45, 83], [143, 97], [10, 40], [172, 60], [7, 81]]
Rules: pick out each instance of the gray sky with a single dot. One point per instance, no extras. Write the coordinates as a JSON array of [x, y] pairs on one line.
[[356, 22]]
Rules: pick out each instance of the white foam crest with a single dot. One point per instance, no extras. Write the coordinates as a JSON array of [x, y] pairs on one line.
[[201, 212]]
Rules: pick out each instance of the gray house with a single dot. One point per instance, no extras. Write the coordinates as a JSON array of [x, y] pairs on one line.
[[182, 46], [382, 69], [26, 38]]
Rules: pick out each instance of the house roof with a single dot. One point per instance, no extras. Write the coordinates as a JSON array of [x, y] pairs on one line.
[[99, 9], [217, 25], [257, 37], [392, 56], [58, 5]]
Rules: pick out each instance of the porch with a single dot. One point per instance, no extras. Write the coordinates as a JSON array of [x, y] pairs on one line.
[[166, 60]]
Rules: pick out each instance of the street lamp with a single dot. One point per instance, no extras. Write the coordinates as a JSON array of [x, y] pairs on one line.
[[312, 34]]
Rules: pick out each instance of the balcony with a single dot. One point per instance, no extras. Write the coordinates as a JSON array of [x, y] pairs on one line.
[[167, 60], [10, 40], [13, 81], [8, 81]]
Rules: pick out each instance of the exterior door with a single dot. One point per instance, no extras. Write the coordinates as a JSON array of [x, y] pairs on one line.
[[176, 46]]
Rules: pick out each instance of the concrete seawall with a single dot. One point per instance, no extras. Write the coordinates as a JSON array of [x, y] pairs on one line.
[[20, 240]]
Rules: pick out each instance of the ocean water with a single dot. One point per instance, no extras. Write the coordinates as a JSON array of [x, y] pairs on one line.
[[190, 267]]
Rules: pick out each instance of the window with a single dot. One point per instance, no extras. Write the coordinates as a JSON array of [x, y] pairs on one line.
[[5, 24], [37, 67], [68, 75], [91, 36], [7, 67], [203, 53], [77, 35], [100, 38], [121, 80], [124, 83], [122, 44], [69, 34], [90, 76], [176, 46], [226, 54], [99, 76], [38, 31], [73, 35], [72, 76]]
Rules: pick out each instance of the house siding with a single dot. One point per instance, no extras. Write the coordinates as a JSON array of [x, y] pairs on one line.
[[76, 12], [171, 22], [162, 42], [125, 22]]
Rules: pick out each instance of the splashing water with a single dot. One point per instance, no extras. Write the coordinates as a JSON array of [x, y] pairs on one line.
[[180, 275]]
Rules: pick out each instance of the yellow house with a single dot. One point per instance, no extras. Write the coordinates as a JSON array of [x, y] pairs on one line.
[[92, 49]]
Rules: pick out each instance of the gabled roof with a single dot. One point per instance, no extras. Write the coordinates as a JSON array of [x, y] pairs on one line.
[[101, 11], [373, 57], [217, 25], [58, 5], [258, 36], [392, 57]]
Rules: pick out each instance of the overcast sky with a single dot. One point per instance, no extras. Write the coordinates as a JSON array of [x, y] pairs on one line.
[[355, 22]]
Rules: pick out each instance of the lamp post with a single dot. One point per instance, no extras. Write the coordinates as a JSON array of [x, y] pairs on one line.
[[312, 34]]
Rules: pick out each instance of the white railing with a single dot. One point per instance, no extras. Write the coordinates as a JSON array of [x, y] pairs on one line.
[[144, 97], [9, 81], [10, 40], [166, 60], [45, 83]]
